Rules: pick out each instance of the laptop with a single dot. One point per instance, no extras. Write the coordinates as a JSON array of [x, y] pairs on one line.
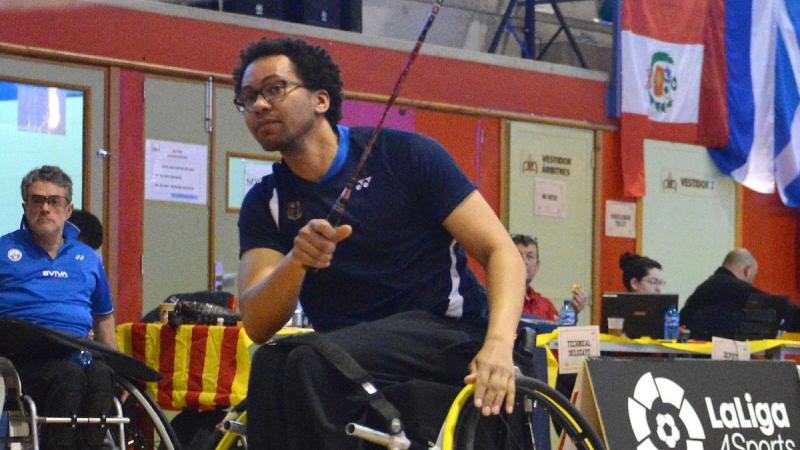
[[643, 314]]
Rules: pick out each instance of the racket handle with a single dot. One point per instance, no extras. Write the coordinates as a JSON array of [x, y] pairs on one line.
[[335, 219]]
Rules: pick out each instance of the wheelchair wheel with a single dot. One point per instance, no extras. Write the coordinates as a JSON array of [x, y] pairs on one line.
[[135, 432], [467, 429]]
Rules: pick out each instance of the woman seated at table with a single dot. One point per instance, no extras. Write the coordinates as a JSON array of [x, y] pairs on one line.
[[641, 274]]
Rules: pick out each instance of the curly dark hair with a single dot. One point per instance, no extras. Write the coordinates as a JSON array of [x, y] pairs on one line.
[[635, 266], [313, 64]]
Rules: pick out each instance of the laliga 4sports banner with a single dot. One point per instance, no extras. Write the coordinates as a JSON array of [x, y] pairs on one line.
[[653, 404], [671, 78]]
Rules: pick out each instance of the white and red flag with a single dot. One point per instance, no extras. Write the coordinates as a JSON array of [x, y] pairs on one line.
[[672, 78]]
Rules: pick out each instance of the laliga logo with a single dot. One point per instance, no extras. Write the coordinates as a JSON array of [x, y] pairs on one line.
[[659, 403]]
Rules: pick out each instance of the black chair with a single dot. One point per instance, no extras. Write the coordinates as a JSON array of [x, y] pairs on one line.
[[759, 319]]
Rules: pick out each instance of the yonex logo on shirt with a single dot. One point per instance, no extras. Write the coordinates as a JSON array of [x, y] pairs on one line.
[[55, 274], [363, 183]]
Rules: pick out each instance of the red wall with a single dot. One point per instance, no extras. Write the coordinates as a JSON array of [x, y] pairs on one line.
[[129, 35], [128, 202], [772, 232], [474, 143], [612, 247]]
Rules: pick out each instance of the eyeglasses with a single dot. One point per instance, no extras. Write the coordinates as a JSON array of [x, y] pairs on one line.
[[655, 282], [247, 98], [55, 201]]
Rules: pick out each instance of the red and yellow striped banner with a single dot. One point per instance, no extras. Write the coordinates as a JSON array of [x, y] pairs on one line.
[[202, 366]]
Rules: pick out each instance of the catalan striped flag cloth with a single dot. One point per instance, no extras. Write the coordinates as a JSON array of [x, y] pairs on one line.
[[203, 367], [670, 79], [763, 65]]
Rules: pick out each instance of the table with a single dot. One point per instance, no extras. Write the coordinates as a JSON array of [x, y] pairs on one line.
[[768, 348], [203, 366]]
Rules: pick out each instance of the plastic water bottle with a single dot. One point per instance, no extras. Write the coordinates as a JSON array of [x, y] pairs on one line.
[[82, 358], [672, 322], [566, 315], [297, 318]]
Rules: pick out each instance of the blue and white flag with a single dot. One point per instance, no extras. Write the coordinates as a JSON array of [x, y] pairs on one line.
[[763, 98]]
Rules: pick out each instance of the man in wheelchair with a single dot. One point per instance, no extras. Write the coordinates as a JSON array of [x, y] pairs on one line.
[[391, 286], [50, 278]]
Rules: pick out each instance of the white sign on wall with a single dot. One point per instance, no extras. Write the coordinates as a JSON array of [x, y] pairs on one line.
[[176, 172], [620, 219], [548, 200]]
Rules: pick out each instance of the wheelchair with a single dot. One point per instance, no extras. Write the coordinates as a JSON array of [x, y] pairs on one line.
[[133, 423], [464, 427], [537, 406]]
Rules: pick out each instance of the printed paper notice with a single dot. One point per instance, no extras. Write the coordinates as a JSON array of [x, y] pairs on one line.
[[575, 344], [548, 200], [176, 172], [729, 350], [620, 219], [253, 173]]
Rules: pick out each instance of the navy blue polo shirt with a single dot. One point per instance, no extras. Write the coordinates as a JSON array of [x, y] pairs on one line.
[[61, 293], [399, 256]]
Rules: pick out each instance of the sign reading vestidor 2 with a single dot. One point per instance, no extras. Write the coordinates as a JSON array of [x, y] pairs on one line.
[[176, 172]]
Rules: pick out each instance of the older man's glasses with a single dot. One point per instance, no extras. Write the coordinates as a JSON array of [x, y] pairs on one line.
[[246, 101], [55, 201]]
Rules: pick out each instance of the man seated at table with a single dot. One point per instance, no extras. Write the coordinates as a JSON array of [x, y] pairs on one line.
[[715, 306], [50, 278], [535, 303]]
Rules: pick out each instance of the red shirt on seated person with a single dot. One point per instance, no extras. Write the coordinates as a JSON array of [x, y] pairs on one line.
[[536, 303]]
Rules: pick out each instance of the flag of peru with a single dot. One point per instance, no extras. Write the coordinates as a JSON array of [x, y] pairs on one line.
[[672, 75]]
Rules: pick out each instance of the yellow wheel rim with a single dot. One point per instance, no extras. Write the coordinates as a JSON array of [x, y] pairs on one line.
[[452, 416]]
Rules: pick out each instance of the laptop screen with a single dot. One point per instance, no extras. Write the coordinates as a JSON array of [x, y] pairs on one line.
[[643, 314]]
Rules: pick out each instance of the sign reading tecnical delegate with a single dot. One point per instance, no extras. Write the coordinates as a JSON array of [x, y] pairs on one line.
[[697, 404]]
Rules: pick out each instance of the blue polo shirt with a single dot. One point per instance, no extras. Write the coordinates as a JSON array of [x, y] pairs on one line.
[[399, 256], [62, 293]]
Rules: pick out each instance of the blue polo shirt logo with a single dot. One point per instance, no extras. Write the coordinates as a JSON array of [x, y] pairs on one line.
[[14, 254], [55, 274]]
